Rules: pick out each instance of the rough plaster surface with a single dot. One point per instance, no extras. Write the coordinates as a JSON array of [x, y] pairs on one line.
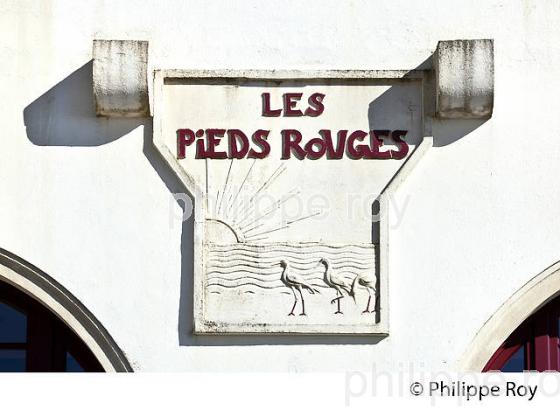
[[464, 79], [481, 215]]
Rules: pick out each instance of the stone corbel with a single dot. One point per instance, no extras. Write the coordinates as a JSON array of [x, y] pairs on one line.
[[464, 72], [120, 78]]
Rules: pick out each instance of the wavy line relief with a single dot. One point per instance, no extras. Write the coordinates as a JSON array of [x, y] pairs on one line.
[[304, 257], [249, 252], [243, 277], [256, 268], [271, 271], [226, 263], [308, 275], [275, 254], [244, 284], [296, 246], [256, 281], [216, 292], [292, 245]]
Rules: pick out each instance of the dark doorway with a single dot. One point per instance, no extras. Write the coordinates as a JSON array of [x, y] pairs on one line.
[[33, 339]]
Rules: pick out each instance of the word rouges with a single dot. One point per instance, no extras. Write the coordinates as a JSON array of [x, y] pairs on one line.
[[237, 145]]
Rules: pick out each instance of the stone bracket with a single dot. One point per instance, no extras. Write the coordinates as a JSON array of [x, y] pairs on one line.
[[464, 79], [120, 78]]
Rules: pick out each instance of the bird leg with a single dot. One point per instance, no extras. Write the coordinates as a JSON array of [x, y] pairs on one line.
[[338, 296], [337, 299], [302, 303], [374, 296], [295, 302], [338, 306], [367, 307]]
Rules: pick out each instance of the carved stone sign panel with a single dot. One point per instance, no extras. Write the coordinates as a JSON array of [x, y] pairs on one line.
[[284, 170]]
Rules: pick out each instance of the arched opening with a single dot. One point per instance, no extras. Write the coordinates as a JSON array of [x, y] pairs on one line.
[[33, 339], [523, 333], [534, 345], [50, 329]]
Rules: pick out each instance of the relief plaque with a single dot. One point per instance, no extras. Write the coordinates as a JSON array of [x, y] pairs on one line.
[[284, 169]]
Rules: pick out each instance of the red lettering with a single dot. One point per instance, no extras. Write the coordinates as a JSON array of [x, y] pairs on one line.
[[357, 152], [200, 149], [213, 138], [235, 150], [402, 146], [290, 102], [311, 153], [266, 111], [376, 143], [257, 147], [185, 137], [289, 144], [332, 152], [316, 106], [259, 138]]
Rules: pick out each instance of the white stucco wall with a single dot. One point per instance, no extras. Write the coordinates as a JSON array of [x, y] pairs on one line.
[[482, 204]]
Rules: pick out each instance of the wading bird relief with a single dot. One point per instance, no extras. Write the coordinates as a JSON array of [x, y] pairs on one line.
[[284, 169]]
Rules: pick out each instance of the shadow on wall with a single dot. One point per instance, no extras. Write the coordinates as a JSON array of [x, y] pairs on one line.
[[381, 117], [65, 116], [445, 132]]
